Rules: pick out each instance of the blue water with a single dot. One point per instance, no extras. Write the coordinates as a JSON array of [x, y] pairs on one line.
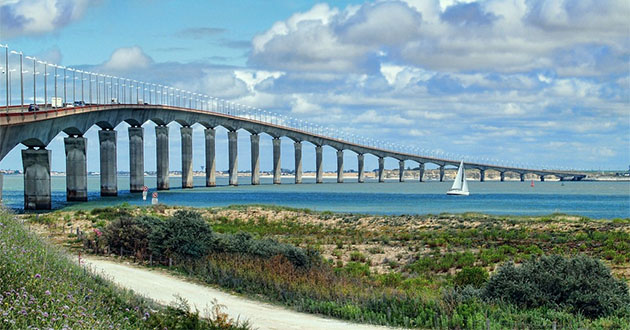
[[592, 199]]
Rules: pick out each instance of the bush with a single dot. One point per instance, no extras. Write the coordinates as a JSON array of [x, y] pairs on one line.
[[244, 243], [131, 234], [474, 276], [581, 284], [185, 235]]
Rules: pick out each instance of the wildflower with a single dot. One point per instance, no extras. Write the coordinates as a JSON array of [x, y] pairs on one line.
[[47, 292], [97, 232], [37, 276]]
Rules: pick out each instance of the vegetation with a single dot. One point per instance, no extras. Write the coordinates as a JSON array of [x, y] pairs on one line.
[[41, 288], [415, 271], [581, 284]]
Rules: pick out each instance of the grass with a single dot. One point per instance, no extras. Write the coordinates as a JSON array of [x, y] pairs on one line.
[[40, 287], [394, 270]]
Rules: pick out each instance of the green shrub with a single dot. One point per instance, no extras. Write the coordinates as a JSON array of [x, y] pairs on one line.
[[130, 234], [581, 284], [185, 235], [474, 276], [244, 243], [357, 256]]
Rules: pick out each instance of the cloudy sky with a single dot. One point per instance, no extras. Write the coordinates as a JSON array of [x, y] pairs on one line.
[[543, 83]]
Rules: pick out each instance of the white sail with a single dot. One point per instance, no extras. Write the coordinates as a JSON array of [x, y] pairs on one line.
[[460, 185], [465, 182], [457, 184]]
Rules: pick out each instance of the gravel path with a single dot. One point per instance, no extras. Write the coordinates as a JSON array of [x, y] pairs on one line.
[[163, 288]]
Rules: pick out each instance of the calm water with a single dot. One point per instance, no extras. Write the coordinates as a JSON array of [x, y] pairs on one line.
[[593, 199]]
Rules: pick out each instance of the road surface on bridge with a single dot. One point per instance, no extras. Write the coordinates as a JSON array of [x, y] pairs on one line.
[[164, 288]]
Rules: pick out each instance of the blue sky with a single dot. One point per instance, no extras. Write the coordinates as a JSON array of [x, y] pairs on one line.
[[543, 83]]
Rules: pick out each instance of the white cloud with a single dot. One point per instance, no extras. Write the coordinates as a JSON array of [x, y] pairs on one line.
[[128, 58], [513, 36], [33, 17]]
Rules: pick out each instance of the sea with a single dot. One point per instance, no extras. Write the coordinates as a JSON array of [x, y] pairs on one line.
[[600, 200]]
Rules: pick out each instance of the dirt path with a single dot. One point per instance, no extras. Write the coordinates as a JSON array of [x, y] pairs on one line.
[[163, 288]]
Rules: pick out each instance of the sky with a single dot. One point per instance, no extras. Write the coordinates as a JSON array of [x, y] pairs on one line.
[[527, 83]]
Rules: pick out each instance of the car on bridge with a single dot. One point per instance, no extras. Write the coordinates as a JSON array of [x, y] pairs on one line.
[[33, 107], [79, 103]]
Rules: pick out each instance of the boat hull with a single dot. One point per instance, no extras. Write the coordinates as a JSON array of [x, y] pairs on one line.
[[457, 193]]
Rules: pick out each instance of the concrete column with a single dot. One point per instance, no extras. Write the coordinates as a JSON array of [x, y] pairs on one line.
[[401, 171], [255, 144], [381, 169], [109, 180], [161, 151], [76, 169], [441, 173], [233, 157], [339, 166], [319, 170], [360, 160], [36, 179], [542, 178], [211, 180], [277, 170], [187, 156], [522, 177], [421, 174], [298, 162], [502, 174], [136, 159], [482, 175]]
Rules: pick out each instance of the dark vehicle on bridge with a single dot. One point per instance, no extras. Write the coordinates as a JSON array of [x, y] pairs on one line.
[[33, 107], [79, 103]]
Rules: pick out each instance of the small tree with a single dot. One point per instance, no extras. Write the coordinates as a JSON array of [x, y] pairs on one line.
[[130, 234], [582, 284], [185, 235]]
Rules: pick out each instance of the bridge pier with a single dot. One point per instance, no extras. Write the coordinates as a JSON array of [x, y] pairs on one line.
[[233, 157], [255, 146], [360, 160], [319, 170], [36, 165], [542, 178], [76, 168], [502, 174], [277, 169], [522, 175], [211, 180], [109, 179], [381, 169], [298, 162], [401, 171], [339, 166], [421, 174], [161, 148], [482, 175], [136, 158], [187, 155], [441, 173]]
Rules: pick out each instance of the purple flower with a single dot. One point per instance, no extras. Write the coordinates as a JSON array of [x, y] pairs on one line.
[[47, 292], [37, 276]]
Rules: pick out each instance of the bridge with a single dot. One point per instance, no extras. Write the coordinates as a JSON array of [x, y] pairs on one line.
[[114, 100]]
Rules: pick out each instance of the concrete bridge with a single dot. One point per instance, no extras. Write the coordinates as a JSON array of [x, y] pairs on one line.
[[36, 129]]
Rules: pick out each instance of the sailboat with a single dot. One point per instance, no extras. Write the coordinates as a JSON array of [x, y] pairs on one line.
[[460, 186]]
